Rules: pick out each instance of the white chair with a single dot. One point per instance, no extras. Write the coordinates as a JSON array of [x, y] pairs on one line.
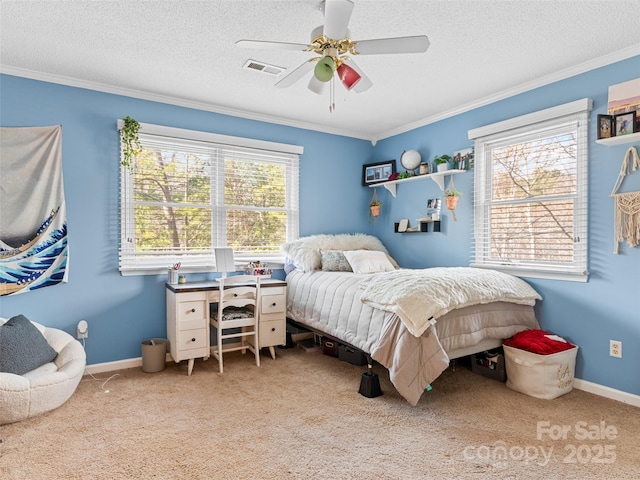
[[237, 316], [47, 387]]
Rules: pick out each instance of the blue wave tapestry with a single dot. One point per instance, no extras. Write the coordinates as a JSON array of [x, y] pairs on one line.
[[33, 217]]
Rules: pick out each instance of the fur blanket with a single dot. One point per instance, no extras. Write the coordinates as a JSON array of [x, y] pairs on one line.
[[305, 253]]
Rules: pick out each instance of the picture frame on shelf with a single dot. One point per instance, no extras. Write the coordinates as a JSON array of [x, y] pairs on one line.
[[463, 159], [379, 172], [625, 123], [606, 127]]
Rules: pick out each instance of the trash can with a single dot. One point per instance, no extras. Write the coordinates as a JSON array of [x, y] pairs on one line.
[[154, 354]]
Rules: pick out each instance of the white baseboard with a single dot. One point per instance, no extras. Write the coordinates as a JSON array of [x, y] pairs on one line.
[[607, 392], [118, 365], [579, 384]]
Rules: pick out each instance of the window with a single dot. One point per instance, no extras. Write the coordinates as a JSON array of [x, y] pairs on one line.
[[530, 197], [188, 192]]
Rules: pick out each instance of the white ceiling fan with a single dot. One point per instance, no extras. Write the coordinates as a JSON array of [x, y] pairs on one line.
[[332, 43]]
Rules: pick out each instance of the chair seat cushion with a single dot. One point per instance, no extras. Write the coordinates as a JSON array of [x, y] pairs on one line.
[[23, 347], [234, 313]]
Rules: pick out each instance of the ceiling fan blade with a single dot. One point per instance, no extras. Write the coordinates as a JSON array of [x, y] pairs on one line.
[[364, 83], [271, 45], [337, 14], [294, 75], [415, 44]]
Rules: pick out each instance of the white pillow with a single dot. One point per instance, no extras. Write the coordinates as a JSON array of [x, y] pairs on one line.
[[368, 261]]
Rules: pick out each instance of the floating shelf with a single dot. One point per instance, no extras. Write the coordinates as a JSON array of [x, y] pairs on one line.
[[621, 140], [424, 227], [437, 177]]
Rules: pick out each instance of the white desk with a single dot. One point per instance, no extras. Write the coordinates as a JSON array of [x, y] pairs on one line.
[[188, 307]]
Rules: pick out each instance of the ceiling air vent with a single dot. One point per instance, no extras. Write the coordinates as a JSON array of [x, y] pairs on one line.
[[263, 67]]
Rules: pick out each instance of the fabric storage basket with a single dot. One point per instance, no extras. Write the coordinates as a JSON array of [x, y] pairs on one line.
[[540, 376]]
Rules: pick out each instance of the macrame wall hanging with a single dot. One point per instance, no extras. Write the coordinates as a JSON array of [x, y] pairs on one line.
[[626, 215]]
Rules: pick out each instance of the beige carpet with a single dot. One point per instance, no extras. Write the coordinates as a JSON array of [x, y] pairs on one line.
[[301, 417]]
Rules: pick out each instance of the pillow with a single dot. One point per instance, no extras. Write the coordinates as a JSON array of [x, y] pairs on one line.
[[368, 261], [334, 261], [306, 251], [23, 347]]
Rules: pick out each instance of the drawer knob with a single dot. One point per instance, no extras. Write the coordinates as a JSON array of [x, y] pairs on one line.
[[273, 304], [193, 310], [193, 339], [273, 329]]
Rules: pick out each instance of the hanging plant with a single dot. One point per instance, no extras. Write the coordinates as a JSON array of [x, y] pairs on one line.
[[130, 142], [451, 197], [374, 206]]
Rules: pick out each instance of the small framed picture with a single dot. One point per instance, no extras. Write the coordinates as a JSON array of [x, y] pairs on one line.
[[625, 123], [463, 159], [606, 127], [377, 172]]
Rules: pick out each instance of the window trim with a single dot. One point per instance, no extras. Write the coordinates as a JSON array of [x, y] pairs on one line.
[[275, 261], [576, 111]]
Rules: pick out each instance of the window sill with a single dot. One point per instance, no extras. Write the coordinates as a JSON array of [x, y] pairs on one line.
[[134, 271], [523, 272]]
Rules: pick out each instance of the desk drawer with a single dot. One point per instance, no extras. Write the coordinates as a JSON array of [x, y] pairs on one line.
[[191, 315], [273, 304], [272, 333], [190, 339]]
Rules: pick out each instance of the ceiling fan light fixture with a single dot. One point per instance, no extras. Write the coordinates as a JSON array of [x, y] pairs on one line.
[[323, 70], [316, 86], [348, 76]]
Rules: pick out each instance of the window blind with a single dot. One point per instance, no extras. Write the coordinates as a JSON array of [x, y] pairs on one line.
[[189, 192], [530, 197]]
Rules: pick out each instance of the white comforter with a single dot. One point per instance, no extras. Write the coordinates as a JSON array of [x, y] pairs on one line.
[[419, 295], [329, 302]]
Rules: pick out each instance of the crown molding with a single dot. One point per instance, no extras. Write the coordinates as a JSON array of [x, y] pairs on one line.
[[555, 77], [180, 102], [525, 87]]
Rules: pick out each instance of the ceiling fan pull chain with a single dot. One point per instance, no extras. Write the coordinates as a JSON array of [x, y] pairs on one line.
[[332, 101]]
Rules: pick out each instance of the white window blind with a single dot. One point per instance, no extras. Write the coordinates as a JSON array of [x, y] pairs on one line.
[[530, 194], [189, 192]]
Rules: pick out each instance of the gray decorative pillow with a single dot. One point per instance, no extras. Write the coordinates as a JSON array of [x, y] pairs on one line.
[[22, 347]]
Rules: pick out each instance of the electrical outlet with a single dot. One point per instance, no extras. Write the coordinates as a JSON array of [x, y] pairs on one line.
[[615, 348], [82, 330]]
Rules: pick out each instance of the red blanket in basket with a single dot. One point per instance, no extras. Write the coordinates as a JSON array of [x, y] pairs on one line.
[[538, 341]]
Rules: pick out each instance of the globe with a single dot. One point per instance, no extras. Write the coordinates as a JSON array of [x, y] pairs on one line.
[[410, 159]]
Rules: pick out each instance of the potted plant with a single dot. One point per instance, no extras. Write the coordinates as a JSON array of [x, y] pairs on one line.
[[442, 162], [130, 142], [374, 206], [451, 197]]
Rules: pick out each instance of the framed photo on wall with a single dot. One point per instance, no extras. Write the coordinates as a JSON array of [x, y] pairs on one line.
[[625, 123], [377, 172], [606, 128]]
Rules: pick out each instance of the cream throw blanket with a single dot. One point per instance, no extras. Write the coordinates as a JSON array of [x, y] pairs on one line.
[[418, 295]]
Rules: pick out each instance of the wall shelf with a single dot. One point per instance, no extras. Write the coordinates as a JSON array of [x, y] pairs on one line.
[[437, 177], [621, 140], [423, 228]]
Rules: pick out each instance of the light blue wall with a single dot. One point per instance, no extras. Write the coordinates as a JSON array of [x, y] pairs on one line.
[[122, 311], [587, 314]]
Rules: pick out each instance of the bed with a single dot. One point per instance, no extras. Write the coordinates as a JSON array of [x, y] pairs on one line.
[[411, 321]]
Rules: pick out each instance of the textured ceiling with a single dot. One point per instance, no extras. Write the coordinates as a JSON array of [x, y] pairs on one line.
[[183, 52]]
